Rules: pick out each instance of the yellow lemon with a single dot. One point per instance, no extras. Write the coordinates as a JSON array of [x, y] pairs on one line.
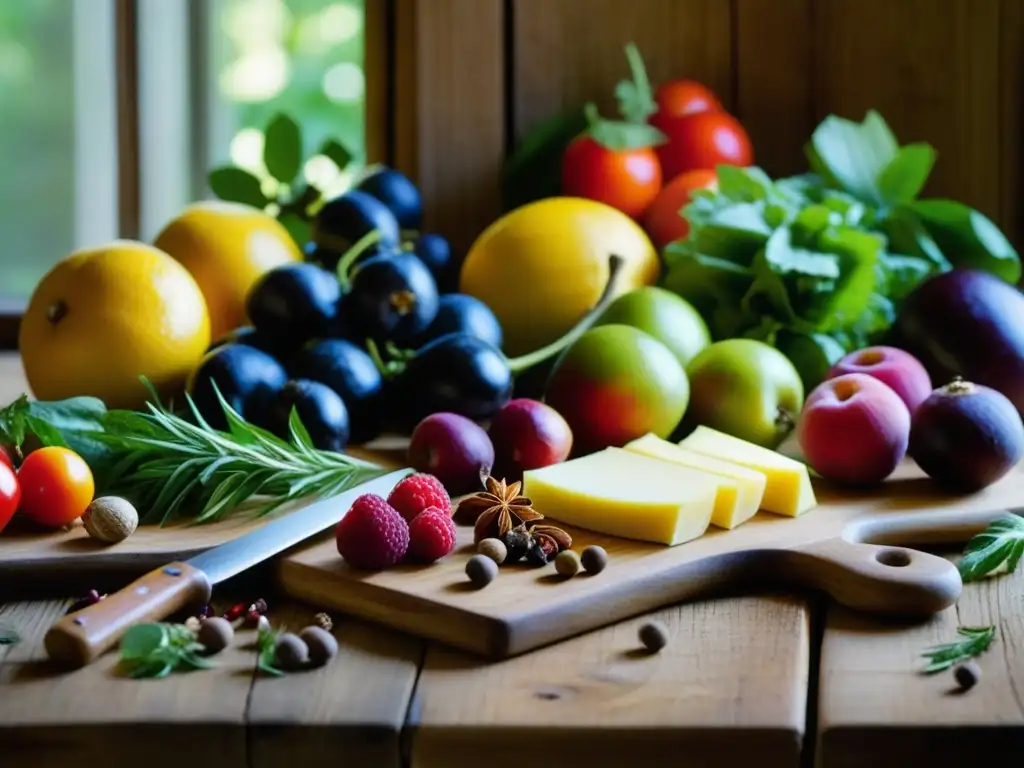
[[541, 267], [103, 317], [227, 247]]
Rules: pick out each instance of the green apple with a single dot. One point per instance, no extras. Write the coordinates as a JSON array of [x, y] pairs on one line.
[[747, 389], [662, 314]]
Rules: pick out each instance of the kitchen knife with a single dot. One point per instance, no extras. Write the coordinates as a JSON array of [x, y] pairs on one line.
[[80, 637]]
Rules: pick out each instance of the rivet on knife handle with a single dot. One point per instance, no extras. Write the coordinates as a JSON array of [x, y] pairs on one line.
[[80, 637]]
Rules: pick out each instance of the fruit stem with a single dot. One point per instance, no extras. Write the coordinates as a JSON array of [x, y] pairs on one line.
[[349, 257], [525, 362], [387, 369], [959, 387], [56, 311]]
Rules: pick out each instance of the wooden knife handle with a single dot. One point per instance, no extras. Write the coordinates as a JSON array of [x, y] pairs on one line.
[[876, 578], [80, 637]]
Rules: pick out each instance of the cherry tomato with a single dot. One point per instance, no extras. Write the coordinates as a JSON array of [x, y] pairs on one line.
[[703, 141], [664, 222], [56, 486], [624, 179], [5, 456], [10, 494], [684, 97]]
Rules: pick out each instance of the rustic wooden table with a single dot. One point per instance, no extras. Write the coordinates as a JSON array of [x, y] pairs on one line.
[[784, 680]]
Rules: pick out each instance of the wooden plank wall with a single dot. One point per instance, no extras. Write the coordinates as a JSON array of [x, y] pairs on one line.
[[470, 77]]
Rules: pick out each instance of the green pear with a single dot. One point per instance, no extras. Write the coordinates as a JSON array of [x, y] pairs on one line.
[[662, 314], [746, 389]]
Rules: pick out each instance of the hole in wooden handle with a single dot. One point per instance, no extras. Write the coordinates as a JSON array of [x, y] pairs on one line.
[[894, 558]]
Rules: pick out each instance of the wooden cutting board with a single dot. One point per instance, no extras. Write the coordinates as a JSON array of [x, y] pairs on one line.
[[844, 547]]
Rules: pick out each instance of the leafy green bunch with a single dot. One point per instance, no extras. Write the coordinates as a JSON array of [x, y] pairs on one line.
[[290, 198], [818, 264]]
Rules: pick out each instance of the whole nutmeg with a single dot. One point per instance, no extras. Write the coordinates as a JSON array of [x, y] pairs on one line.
[[110, 519], [291, 652], [494, 549], [321, 645], [215, 634], [567, 563]]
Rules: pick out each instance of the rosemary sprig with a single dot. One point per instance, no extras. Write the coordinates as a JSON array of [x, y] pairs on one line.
[[266, 647], [976, 641], [1002, 543], [173, 468], [156, 650]]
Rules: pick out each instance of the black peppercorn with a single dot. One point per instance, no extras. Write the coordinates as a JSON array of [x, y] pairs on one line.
[[536, 557], [517, 545]]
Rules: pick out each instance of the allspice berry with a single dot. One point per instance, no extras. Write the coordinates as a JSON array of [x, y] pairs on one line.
[[110, 519], [594, 559], [494, 549], [481, 570], [654, 636], [215, 634], [321, 645], [291, 652], [567, 563], [967, 675]]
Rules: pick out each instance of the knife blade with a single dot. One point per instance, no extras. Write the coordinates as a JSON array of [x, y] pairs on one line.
[[79, 638]]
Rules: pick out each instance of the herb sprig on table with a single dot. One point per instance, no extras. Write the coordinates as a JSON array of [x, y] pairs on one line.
[[818, 264], [999, 546], [174, 467], [156, 650], [976, 641]]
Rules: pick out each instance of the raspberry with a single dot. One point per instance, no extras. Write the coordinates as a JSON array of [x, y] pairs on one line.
[[431, 535], [415, 493], [372, 535]]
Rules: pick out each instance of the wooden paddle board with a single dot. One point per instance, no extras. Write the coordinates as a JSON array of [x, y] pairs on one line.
[[844, 547]]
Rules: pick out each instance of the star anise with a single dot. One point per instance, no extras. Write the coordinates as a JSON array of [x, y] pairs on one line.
[[551, 539], [497, 510]]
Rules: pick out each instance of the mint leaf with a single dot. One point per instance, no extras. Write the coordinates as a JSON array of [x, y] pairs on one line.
[[636, 102], [714, 287], [282, 148], [898, 275], [903, 178], [854, 154], [744, 185], [968, 238], [906, 234], [736, 233], [237, 185], [533, 170]]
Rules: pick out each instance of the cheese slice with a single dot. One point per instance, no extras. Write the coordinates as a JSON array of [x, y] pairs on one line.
[[740, 489], [622, 493], [788, 491]]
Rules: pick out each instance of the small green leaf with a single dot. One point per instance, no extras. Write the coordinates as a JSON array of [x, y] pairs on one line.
[[143, 640], [968, 238], [13, 420], [908, 235], [238, 185], [297, 227], [1001, 544], [744, 185], [902, 178], [854, 154], [621, 136], [337, 152], [976, 640], [533, 170], [282, 148], [636, 102]]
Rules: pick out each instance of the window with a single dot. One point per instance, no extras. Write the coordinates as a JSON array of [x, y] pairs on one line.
[[208, 76]]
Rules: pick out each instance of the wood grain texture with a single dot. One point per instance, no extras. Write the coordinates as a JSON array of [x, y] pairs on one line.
[[877, 709], [773, 88], [932, 69], [526, 608], [378, 48], [1011, 103], [449, 111], [601, 700], [571, 51], [352, 710]]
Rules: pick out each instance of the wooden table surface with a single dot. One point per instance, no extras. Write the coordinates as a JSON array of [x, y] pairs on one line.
[[788, 680]]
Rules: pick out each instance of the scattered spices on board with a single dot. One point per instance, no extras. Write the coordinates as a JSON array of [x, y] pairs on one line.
[[567, 563], [91, 598], [481, 570], [967, 675], [594, 559], [976, 641], [321, 645], [653, 635], [235, 612], [494, 549], [193, 623], [215, 634], [498, 509]]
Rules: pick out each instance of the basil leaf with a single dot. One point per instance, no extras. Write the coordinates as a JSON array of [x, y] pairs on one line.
[[857, 252], [854, 154], [72, 423], [142, 641], [906, 234], [898, 275], [13, 421], [903, 178], [282, 148], [968, 238], [533, 170], [238, 186]]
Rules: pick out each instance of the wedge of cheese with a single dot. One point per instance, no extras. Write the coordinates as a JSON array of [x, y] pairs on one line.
[[788, 491], [622, 493], [740, 489]]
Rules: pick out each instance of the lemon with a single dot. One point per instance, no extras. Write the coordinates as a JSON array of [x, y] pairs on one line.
[[227, 247], [541, 267], [103, 317]]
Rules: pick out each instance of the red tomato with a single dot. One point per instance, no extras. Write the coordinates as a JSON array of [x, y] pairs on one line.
[[684, 97], [5, 456], [624, 179], [10, 494], [56, 486], [663, 222], [703, 141]]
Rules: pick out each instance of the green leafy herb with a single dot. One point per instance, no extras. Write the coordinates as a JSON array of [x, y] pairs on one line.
[[156, 650], [266, 647], [282, 148], [821, 262], [9, 635], [170, 466], [239, 186], [976, 641], [1001, 545], [64, 423]]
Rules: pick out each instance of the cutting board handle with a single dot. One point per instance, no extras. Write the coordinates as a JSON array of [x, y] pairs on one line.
[[877, 578], [78, 638]]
